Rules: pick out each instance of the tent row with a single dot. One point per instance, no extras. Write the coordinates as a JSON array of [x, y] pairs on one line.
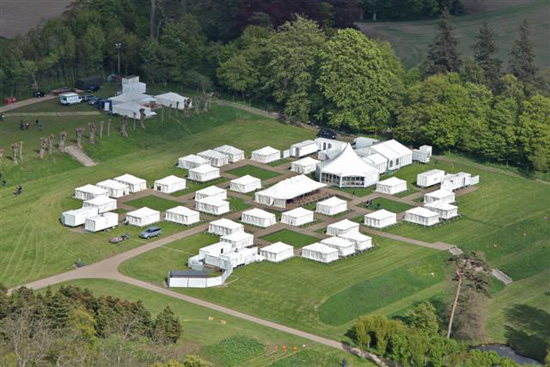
[[216, 157]]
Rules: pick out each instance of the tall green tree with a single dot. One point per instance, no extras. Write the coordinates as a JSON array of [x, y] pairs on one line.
[[535, 131], [423, 317], [485, 55], [522, 55], [167, 327], [443, 55], [58, 311]]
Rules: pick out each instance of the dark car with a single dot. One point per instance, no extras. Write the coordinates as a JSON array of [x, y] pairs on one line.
[[151, 232], [93, 101], [92, 88], [38, 94], [87, 98], [327, 134]]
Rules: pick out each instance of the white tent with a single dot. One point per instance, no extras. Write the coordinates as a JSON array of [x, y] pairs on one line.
[[430, 178], [319, 252], [73, 218], [214, 192], [131, 84], [234, 154], [266, 155], [445, 210], [422, 216], [324, 144], [142, 217], [305, 165], [238, 239], [216, 249], [214, 157], [347, 169], [396, 153], [361, 241], [439, 195], [88, 192], [204, 173], [170, 184], [212, 206], [380, 219], [288, 190], [182, 215], [277, 252], [422, 154], [134, 183], [238, 257], [101, 222], [331, 206], [297, 217], [245, 184], [344, 247], [377, 161], [223, 227], [172, 100], [102, 203], [364, 142], [131, 110], [303, 148], [191, 161], [343, 226], [391, 186], [114, 188], [258, 217]]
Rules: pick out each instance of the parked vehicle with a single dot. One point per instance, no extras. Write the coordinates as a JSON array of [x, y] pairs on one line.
[[119, 239], [93, 101], [151, 232], [38, 94], [92, 88], [87, 98], [68, 99], [91, 83], [327, 134]]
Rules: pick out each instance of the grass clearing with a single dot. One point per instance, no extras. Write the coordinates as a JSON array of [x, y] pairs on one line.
[[280, 162], [234, 351], [291, 238], [153, 202], [262, 174], [192, 186], [357, 191], [391, 205], [237, 204]]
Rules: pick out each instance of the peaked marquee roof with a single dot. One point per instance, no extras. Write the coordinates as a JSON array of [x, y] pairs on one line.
[[347, 163]]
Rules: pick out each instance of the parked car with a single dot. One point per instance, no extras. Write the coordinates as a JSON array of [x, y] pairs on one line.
[[38, 94], [93, 101], [87, 98], [327, 134], [119, 239], [151, 232], [92, 88]]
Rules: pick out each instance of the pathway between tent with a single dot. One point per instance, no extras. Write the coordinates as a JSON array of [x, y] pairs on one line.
[[79, 155]]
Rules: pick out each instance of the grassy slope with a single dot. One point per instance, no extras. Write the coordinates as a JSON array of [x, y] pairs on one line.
[[410, 39]]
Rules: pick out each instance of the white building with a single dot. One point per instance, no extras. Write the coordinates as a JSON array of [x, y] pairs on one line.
[[223, 227], [204, 173], [142, 217], [422, 216], [214, 250], [212, 206], [240, 257], [297, 217], [361, 241], [114, 188], [102, 203], [191, 161], [214, 157], [439, 195], [170, 184], [134, 183], [234, 154], [445, 210], [324, 144], [303, 148], [101, 222], [88, 192], [238, 239], [380, 219], [396, 153], [319, 252], [266, 155], [245, 184], [214, 192], [452, 182], [258, 217], [331, 206], [305, 165], [422, 154], [377, 161], [347, 169], [289, 190], [182, 215], [277, 252], [391, 186], [430, 178], [344, 247], [77, 217], [171, 100], [341, 227], [363, 142]]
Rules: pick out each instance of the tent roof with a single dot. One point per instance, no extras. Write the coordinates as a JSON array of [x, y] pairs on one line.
[[171, 96], [131, 97], [292, 187], [194, 158], [266, 151], [307, 161], [398, 147], [92, 189], [422, 212], [298, 212], [247, 179], [319, 247], [83, 210], [392, 182], [260, 213], [440, 205], [228, 149], [226, 223], [131, 179], [236, 236], [216, 247], [438, 194], [182, 210], [212, 154], [304, 143], [104, 215], [277, 248], [381, 214], [365, 140], [347, 163], [212, 201], [344, 224], [211, 190], [170, 180], [333, 201], [355, 236], [375, 158], [432, 172], [112, 184], [100, 200], [337, 242], [142, 212], [384, 150], [204, 168]]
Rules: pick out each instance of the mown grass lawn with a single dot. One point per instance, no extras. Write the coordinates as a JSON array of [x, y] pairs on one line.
[[237, 204], [153, 202], [262, 174], [291, 238], [391, 205], [357, 191]]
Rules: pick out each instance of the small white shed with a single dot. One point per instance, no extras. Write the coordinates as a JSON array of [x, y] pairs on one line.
[[214, 157], [422, 216], [277, 252], [88, 192], [214, 192], [212, 206], [391, 186], [343, 226], [303, 148], [430, 178], [238, 257], [422, 154], [331, 206], [238, 239], [297, 217], [73, 218], [204, 173], [114, 188], [344, 247], [305, 165], [170, 184], [380, 219], [319, 252], [458, 181], [182, 215], [266, 155], [234, 154], [445, 210], [439, 195], [361, 241], [223, 227], [258, 217], [215, 249], [143, 217], [245, 184], [102, 203], [101, 222], [191, 161], [135, 184]]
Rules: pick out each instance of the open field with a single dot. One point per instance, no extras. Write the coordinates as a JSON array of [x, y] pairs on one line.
[[411, 39], [255, 171], [290, 238], [391, 205], [153, 202]]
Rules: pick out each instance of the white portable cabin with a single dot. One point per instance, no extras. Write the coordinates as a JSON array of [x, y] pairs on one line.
[[233, 153], [344, 247], [303, 148], [191, 161], [331, 206], [380, 219], [258, 217], [238, 257], [77, 217], [363, 142], [131, 84], [376, 160], [343, 226], [131, 110], [297, 217], [445, 210], [238, 239], [223, 227], [88, 192], [439, 195], [288, 190], [214, 157], [214, 192], [422, 154], [204, 173], [430, 178], [319, 252], [182, 215], [212, 206], [324, 144], [347, 169], [142, 217], [216, 249], [102, 203], [171, 100], [422, 216], [101, 222], [277, 252], [305, 165], [396, 153], [245, 184], [391, 186], [452, 182], [361, 241], [170, 184], [114, 188], [134, 183], [266, 155]]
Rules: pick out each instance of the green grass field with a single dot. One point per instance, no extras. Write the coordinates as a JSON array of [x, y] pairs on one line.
[[262, 174], [153, 202], [391, 205], [411, 39], [237, 204], [357, 191], [290, 238]]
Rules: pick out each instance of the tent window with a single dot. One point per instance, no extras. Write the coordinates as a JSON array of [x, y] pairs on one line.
[[391, 164]]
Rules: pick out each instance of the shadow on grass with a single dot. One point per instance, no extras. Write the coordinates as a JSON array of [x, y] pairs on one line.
[[528, 330]]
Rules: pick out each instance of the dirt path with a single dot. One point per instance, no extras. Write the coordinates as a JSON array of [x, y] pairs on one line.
[[79, 155], [74, 113], [25, 102]]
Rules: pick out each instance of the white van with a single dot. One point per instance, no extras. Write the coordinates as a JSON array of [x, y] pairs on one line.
[[68, 99]]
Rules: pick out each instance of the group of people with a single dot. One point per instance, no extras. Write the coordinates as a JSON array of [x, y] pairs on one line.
[[27, 126], [4, 183]]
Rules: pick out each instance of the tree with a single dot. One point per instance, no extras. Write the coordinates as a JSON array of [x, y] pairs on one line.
[[423, 317], [485, 50], [167, 327], [4, 302], [443, 55], [535, 131], [58, 311], [522, 55]]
